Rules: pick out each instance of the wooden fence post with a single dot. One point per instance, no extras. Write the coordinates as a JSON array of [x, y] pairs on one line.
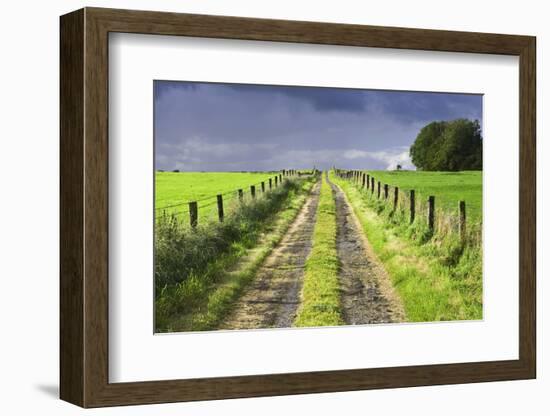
[[240, 195], [395, 198], [253, 191], [280, 178], [372, 185], [462, 220], [193, 214], [368, 180], [364, 180], [263, 187], [220, 207], [412, 206], [431, 212], [386, 189], [276, 180], [270, 185], [378, 189]]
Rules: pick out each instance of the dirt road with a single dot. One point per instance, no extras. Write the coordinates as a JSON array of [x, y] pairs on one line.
[[367, 296], [272, 299]]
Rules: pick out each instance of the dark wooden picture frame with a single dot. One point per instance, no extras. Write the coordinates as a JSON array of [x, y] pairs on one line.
[[84, 207]]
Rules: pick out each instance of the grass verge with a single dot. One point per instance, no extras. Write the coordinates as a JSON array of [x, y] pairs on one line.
[[214, 274], [320, 297], [437, 278]]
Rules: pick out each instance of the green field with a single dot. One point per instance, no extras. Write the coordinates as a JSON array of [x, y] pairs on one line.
[[447, 187], [201, 272], [173, 190]]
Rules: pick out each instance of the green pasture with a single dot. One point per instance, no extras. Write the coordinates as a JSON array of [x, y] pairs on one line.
[[173, 190], [447, 187]]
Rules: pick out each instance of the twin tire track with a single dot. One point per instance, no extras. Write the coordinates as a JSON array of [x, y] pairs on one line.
[[273, 298]]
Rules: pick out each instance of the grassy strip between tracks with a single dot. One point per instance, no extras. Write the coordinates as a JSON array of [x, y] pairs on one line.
[[435, 281], [320, 298], [201, 301]]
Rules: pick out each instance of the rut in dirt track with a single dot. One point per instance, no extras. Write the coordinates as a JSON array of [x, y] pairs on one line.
[[272, 299], [365, 297]]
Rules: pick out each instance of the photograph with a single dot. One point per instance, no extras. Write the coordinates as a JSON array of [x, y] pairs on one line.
[[280, 206]]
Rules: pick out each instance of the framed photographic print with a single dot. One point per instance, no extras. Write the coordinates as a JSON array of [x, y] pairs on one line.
[[255, 207]]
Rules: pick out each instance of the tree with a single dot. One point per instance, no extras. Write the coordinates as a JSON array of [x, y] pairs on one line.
[[448, 146]]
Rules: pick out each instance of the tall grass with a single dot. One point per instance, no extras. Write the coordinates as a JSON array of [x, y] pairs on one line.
[[446, 225], [437, 274], [320, 297], [190, 262]]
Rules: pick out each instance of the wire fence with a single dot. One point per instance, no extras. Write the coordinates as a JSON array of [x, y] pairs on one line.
[[408, 205], [220, 206]]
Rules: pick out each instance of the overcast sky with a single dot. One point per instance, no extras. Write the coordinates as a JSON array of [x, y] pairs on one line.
[[228, 127]]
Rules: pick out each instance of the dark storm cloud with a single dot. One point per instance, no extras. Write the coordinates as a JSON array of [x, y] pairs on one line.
[[208, 126], [321, 99], [427, 106], [161, 88]]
